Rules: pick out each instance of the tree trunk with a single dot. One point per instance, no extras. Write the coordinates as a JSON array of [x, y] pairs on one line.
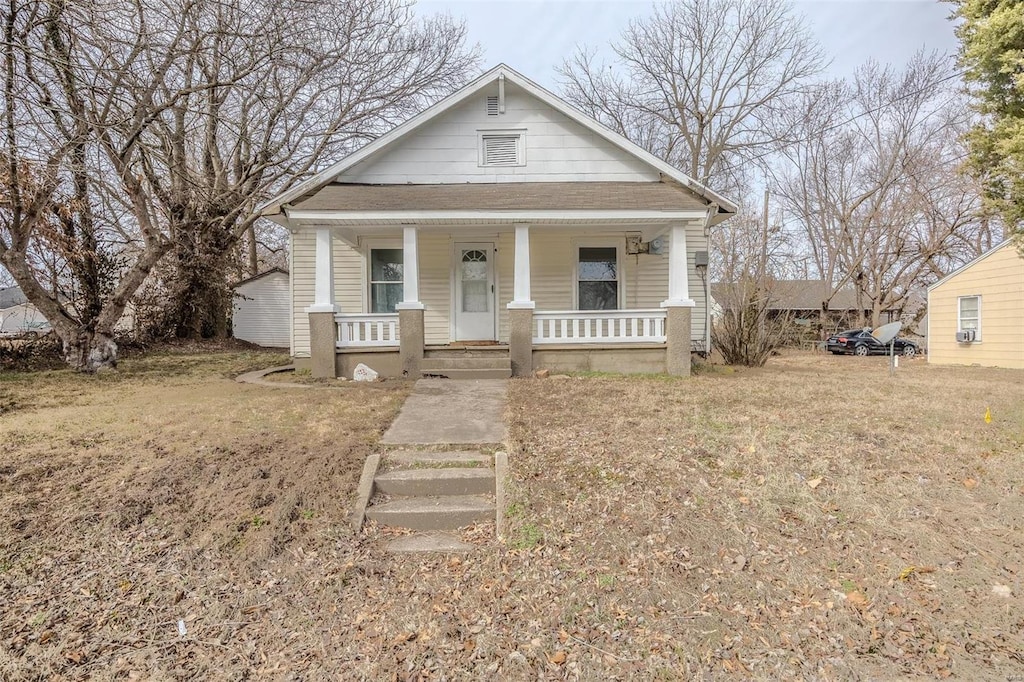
[[90, 351]]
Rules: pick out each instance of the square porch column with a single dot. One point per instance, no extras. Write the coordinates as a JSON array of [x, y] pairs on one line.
[[520, 308], [323, 335], [410, 310], [679, 306]]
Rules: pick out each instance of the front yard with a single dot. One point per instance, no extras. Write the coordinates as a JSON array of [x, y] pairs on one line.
[[816, 519]]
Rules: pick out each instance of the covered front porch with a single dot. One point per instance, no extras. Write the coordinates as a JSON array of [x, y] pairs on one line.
[[426, 298]]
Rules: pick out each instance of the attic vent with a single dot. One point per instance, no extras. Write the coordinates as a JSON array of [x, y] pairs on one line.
[[501, 150], [492, 106]]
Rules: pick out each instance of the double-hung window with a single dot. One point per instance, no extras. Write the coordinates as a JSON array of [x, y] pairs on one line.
[[386, 277], [969, 315], [597, 278]]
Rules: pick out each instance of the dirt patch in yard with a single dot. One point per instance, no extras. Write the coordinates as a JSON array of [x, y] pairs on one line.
[[160, 493]]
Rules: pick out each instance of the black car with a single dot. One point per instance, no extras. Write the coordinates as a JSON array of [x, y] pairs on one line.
[[860, 342]]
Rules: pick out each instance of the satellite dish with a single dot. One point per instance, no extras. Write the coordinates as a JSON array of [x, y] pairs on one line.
[[887, 332]]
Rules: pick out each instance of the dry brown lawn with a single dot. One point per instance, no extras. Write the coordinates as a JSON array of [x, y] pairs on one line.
[[815, 519]]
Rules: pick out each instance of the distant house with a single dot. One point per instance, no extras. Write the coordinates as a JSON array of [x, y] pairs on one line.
[[18, 316], [802, 299], [262, 309], [976, 313]]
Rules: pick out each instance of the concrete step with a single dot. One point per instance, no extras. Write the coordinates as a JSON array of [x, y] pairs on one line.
[[497, 350], [467, 374], [493, 361], [439, 458], [432, 513], [437, 481], [425, 543]]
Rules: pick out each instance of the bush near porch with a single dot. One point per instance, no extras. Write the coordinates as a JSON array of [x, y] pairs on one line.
[[811, 519]]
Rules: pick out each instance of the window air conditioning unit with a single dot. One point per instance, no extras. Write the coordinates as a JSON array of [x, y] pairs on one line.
[[965, 336]]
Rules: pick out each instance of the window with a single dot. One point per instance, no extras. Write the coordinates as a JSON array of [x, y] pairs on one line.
[[386, 273], [969, 315], [502, 148], [597, 278]]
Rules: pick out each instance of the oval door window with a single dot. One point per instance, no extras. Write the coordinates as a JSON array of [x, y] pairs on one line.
[[474, 281]]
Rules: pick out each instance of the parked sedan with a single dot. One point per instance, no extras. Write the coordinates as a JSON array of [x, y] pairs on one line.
[[860, 342]]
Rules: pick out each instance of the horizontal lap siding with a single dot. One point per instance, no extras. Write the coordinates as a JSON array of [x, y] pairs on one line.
[[435, 286], [349, 287], [999, 280], [446, 150]]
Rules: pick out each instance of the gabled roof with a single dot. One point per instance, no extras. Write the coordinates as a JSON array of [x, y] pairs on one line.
[[328, 175], [972, 263], [261, 275]]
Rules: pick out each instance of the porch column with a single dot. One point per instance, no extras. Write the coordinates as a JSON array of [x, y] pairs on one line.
[[679, 306], [323, 333], [410, 310], [520, 308]]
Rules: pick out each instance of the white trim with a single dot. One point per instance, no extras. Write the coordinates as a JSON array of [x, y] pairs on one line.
[[500, 71], [619, 244], [510, 216], [410, 268], [678, 269], [959, 316], [368, 246], [323, 273], [521, 276], [970, 264]]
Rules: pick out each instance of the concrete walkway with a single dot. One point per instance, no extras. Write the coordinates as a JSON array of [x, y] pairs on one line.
[[445, 411]]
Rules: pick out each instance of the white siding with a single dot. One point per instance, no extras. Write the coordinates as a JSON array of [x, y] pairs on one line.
[[261, 311], [447, 149], [21, 318]]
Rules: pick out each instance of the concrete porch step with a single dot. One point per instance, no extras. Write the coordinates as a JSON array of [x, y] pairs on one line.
[[432, 513], [437, 481], [493, 361], [466, 374], [438, 458], [426, 543]]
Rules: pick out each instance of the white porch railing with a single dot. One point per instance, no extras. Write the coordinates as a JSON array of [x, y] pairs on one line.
[[359, 330], [599, 326]]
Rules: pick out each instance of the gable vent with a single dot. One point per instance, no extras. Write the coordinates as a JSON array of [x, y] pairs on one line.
[[501, 150], [492, 106]]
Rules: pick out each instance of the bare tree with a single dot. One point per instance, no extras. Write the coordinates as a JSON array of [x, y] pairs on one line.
[[135, 129], [871, 176], [752, 255], [276, 97], [699, 82]]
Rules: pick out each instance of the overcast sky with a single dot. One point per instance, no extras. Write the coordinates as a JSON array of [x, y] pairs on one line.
[[534, 36]]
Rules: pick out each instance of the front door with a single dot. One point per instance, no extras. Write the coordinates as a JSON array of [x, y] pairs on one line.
[[474, 292]]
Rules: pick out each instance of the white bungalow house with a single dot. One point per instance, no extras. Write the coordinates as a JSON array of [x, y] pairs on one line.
[[499, 230]]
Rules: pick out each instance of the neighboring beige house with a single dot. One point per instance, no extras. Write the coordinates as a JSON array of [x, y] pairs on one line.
[[976, 313], [262, 309], [497, 231]]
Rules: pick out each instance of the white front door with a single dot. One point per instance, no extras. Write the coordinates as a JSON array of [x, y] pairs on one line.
[[474, 292]]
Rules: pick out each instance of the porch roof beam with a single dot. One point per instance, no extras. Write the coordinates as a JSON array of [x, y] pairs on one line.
[[510, 217]]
